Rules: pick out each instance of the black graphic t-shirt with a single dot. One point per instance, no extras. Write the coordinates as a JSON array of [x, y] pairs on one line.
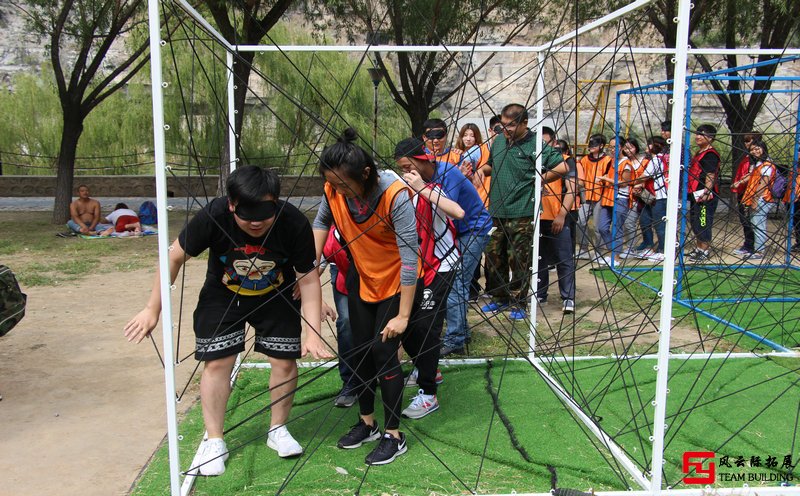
[[244, 264]]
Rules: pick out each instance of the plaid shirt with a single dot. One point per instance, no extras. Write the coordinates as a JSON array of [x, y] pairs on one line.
[[513, 175]]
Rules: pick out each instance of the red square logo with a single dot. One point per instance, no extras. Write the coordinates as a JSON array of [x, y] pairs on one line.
[[693, 460]]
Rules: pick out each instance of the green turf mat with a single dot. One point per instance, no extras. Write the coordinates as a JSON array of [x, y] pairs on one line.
[[445, 448]]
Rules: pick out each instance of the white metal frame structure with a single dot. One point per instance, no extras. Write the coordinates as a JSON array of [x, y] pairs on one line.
[[652, 485]]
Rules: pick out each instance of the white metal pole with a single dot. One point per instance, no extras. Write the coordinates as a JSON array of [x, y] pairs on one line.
[[537, 202], [231, 113], [665, 320], [159, 128]]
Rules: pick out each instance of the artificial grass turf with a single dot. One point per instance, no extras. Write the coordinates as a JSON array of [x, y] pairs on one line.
[[542, 427], [776, 321]]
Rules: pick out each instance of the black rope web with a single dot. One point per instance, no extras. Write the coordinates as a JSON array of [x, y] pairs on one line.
[[615, 326]]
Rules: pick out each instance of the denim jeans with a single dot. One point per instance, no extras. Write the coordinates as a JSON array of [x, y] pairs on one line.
[[659, 210], [758, 221], [471, 246], [76, 228], [646, 223], [604, 228], [344, 334], [618, 229]]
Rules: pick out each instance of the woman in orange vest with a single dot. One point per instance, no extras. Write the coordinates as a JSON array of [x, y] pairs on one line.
[[595, 164], [614, 205], [757, 196], [792, 200], [374, 215]]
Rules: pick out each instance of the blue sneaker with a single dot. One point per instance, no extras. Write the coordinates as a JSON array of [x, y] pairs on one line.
[[493, 307], [518, 314]]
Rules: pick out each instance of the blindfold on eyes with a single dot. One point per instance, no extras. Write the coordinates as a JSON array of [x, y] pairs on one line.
[[256, 211], [497, 129], [435, 133]]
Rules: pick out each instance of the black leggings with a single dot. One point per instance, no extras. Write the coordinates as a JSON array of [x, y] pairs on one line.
[[375, 359], [422, 338]]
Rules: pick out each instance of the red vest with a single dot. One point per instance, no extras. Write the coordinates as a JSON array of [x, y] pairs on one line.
[[427, 238], [695, 170]]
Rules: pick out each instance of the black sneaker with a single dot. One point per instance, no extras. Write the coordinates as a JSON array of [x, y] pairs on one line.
[[387, 450], [359, 434]]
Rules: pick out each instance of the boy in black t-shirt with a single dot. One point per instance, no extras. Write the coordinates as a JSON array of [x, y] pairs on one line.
[[259, 248]]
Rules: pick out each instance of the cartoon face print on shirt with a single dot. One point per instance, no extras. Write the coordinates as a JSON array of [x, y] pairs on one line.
[[252, 269]]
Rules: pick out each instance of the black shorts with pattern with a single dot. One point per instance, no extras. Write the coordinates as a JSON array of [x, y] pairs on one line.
[[220, 318]]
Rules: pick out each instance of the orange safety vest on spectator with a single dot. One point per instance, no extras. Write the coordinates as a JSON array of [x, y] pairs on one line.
[[579, 177], [552, 199], [372, 243], [636, 173], [749, 197], [483, 190], [787, 197], [607, 191], [591, 167]]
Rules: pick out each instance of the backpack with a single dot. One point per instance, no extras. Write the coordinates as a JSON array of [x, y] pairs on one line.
[[12, 301], [779, 184], [148, 213]]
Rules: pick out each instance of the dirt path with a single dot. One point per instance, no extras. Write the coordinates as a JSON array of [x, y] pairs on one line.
[[82, 409]]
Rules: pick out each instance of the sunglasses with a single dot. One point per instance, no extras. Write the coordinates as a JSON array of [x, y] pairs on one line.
[[435, 133], [497, 129]]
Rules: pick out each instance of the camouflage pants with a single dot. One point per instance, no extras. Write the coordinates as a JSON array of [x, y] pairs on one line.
[[509, 250]]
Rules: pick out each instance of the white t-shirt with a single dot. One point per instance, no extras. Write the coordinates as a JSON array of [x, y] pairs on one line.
[[655, 171], [116, 214], [444, 240]]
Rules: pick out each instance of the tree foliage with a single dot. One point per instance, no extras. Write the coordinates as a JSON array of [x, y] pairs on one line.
[[424, 80], [84, 76]]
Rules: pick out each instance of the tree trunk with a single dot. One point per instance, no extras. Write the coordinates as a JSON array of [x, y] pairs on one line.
[[242, 67], [418, 113], [73, 127]]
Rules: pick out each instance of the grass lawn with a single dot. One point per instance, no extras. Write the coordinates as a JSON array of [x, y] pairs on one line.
[[733, 408], [776, 321]]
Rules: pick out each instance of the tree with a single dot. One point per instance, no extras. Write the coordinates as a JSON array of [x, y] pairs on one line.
[[732, 24], [422, 82], [87, 77], [257, 18]]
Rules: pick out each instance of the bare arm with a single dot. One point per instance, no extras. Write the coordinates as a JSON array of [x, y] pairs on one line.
[[556, 173], [311, 304], [398, 324], [95, 215], [143, 323]]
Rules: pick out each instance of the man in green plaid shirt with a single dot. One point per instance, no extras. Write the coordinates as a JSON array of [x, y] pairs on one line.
[[511, 199]]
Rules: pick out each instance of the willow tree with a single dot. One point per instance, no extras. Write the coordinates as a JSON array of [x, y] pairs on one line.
[[79, 35]]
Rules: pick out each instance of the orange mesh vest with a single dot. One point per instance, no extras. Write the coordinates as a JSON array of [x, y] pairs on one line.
[[552, 198], [591, 170], [752, 185], [372, 243], [483, 190]]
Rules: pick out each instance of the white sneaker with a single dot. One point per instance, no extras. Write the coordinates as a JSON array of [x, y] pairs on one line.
[[411, 380], [584, 255], [281, 441], [656, 257], [210, 458], [421, 405], [646, 254]]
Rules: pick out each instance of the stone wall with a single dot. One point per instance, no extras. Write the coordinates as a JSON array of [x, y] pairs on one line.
[[143, 186]]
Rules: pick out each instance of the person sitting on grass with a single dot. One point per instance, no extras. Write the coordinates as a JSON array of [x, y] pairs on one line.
[[122, 219], [260, 247], [84, 212]]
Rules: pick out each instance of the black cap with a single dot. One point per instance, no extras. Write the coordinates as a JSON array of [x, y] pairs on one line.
[[413, 148]]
